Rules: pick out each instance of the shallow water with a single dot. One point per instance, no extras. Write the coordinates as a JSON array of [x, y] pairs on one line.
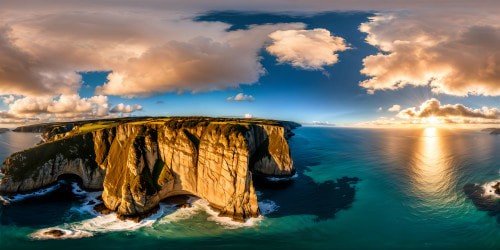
[[409, 194]]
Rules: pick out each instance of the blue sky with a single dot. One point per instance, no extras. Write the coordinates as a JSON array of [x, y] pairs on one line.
[[290, 93], [162, 61]]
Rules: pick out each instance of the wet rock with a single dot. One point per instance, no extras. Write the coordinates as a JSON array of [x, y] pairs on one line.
[[56, 233], [482, 202], [101, 208]]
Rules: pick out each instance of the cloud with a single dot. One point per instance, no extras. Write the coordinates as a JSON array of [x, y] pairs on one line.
[[248, 116], [122, 108], [147, 52], [198, 64], [394, 108], [154, 46], [25, 73], [8, 118], [241, 97], [454, 54], [255, 5], [306, 49], [63, 106], [434, 108], [8, 99], [433, 113]]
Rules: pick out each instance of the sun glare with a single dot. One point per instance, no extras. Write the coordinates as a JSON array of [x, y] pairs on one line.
[[433, 120]]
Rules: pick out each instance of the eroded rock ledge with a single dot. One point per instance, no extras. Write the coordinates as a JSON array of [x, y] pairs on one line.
[[138, 163]]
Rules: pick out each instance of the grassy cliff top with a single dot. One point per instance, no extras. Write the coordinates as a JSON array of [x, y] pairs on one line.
[[82, 127]]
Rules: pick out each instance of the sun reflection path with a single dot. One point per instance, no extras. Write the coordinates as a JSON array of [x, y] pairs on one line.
[[432, 176]]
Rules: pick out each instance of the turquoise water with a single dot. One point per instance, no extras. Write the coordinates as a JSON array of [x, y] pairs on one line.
[[409, 195]]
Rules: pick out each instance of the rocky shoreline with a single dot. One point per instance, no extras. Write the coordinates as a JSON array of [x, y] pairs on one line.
[[138, 163]]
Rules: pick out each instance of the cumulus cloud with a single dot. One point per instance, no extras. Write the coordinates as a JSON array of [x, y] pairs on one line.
[[147, 52], [8, 99], [248, 116], [456, 54], [8, 118], [394, 108], [122, 108], [306, 49], [63, 106], [24, 73], [434, 108], [241, 97]]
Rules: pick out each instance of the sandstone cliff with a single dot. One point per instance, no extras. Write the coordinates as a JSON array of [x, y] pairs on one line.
[[140, 163]]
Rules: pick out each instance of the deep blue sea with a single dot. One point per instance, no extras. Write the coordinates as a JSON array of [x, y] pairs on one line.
[[355, 188]]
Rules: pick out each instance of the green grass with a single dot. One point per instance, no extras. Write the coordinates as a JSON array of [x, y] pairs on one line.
[[96, 126], [27, 163]]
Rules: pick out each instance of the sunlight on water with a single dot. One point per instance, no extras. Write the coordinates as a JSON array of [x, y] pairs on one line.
[[432, 171]]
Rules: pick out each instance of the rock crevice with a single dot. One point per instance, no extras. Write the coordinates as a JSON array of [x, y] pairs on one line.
[[139, 164]]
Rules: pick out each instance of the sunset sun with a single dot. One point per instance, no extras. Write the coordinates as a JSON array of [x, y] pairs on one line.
[[433, 120]]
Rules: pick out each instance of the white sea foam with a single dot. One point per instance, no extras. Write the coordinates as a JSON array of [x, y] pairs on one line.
[[4, 201], [98, 224], [174, 214], [227, 222], [20, 197], [267, 207], [168, 213], [280, 179], [45, 234], [489, 190]]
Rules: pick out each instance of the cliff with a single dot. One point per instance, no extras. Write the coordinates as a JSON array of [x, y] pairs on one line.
[[139, 163]]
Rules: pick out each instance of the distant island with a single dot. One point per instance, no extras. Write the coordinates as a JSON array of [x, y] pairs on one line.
[[138, 162], [4, 130], [493, 131]]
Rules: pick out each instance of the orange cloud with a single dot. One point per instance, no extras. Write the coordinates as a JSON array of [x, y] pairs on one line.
[[306, 49], [455, 54], [434, 108]]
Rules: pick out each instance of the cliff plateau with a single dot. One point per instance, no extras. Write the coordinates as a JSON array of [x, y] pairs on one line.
[[138, 163]]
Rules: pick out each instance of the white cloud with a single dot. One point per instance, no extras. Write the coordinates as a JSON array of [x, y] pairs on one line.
[[122, 108], [241, 97], [148, 52], [434, 108], [248, 116], [8, 99], [394, 108], [455, 54], [306, 49], [63, 106]]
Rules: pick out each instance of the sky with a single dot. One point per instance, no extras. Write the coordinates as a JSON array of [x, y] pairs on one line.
[[348, 63]]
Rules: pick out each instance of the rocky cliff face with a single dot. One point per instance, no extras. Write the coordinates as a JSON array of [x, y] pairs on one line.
[[139, 164]]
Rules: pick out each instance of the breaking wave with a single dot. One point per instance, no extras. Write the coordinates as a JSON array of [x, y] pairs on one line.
[[20, 197], [489, 189], [168, 213], [282, 179]]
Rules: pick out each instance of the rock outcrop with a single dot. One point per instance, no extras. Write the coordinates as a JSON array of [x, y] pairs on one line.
[[140, 163]]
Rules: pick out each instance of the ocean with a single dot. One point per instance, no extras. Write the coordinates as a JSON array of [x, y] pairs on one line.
[[354, 188]]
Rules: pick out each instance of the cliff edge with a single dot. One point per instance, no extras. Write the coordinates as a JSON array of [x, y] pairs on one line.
[[138, 163]]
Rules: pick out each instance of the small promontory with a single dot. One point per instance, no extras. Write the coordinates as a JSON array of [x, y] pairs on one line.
[[139, 162]]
